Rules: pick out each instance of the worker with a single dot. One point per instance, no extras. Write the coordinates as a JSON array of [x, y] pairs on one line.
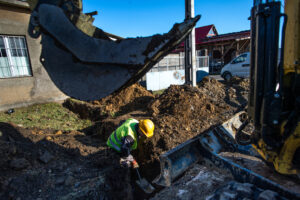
[[125, 138]]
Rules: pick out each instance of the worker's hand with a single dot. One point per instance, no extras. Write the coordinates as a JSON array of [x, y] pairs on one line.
[[124, 163], [127, 161]]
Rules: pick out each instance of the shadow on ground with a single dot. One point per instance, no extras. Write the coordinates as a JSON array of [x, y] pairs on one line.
[[48, 166]]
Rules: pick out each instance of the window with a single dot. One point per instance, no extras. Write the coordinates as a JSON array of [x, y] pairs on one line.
[[240, 59], [211, 33], [14, 60]]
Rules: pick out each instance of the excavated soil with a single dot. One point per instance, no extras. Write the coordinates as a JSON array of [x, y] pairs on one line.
[[133, 98], [183, 112], [54, 164], [47, 164]]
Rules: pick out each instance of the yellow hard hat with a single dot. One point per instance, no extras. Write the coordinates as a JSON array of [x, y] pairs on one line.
[[147, 127]]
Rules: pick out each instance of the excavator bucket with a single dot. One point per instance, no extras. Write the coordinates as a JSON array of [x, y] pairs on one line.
[[85, 63]]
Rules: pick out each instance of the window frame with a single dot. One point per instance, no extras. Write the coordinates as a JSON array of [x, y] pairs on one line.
[[235, 61], [12, 66]]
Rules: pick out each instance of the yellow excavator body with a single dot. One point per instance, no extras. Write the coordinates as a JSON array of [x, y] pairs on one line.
[[283, 158]]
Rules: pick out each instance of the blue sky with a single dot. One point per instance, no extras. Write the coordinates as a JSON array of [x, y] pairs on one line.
[[132, 18]]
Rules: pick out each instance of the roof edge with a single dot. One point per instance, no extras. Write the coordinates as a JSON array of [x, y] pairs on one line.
[[215, 29], [231, 33]]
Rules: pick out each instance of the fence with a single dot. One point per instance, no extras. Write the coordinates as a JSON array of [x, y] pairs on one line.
[[170, 70], [176, 62]]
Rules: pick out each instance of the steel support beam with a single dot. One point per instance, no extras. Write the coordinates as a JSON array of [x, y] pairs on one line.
[[190, 47]]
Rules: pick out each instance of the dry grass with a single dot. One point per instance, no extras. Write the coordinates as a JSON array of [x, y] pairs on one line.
[[45, 116]]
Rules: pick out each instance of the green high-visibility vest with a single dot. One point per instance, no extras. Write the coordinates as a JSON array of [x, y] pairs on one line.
[[127, 128]]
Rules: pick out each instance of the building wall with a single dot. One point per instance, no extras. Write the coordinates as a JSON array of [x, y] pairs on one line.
[[22, 91]]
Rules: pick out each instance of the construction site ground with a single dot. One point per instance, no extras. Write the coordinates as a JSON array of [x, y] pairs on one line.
[[69, 159]]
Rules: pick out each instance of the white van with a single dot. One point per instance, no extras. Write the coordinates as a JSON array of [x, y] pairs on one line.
[[239, 66]]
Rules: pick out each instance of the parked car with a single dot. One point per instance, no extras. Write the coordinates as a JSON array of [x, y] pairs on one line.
[[239, 66], [215, 67]]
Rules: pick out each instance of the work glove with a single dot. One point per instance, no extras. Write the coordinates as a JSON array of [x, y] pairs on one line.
[[127, 142], [126, 162], [135, 164]]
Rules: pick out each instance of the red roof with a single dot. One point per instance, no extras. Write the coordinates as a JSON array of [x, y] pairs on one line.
[[226, 37], [202, 32], [202, 36]]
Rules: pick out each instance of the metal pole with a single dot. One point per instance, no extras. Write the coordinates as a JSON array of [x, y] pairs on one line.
[[190, 47]]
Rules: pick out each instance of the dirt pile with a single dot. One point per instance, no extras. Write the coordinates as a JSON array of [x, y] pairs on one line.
[[54, 164], [183, 112], [240, 84], [130, 99], [243, 82]]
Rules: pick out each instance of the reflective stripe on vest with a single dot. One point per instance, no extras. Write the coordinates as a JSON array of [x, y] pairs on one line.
[[134, 133], [125, 129], [114, 145], [116, 138]]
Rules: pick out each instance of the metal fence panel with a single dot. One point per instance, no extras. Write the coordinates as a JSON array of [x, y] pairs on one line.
[[163, 79], [176, 62]]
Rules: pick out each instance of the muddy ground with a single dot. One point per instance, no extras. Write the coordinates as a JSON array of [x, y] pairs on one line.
[[54, 164], [45, 164], [198, 183], [258, 166], [204, 181]]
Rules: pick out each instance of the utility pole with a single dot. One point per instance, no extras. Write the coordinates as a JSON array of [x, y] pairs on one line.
[[190, 47]]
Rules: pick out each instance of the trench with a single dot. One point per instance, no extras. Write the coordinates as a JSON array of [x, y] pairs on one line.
[[179, 114], [78, 164]]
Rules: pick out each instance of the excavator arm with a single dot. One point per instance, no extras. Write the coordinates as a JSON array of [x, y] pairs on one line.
[[83, 61]]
